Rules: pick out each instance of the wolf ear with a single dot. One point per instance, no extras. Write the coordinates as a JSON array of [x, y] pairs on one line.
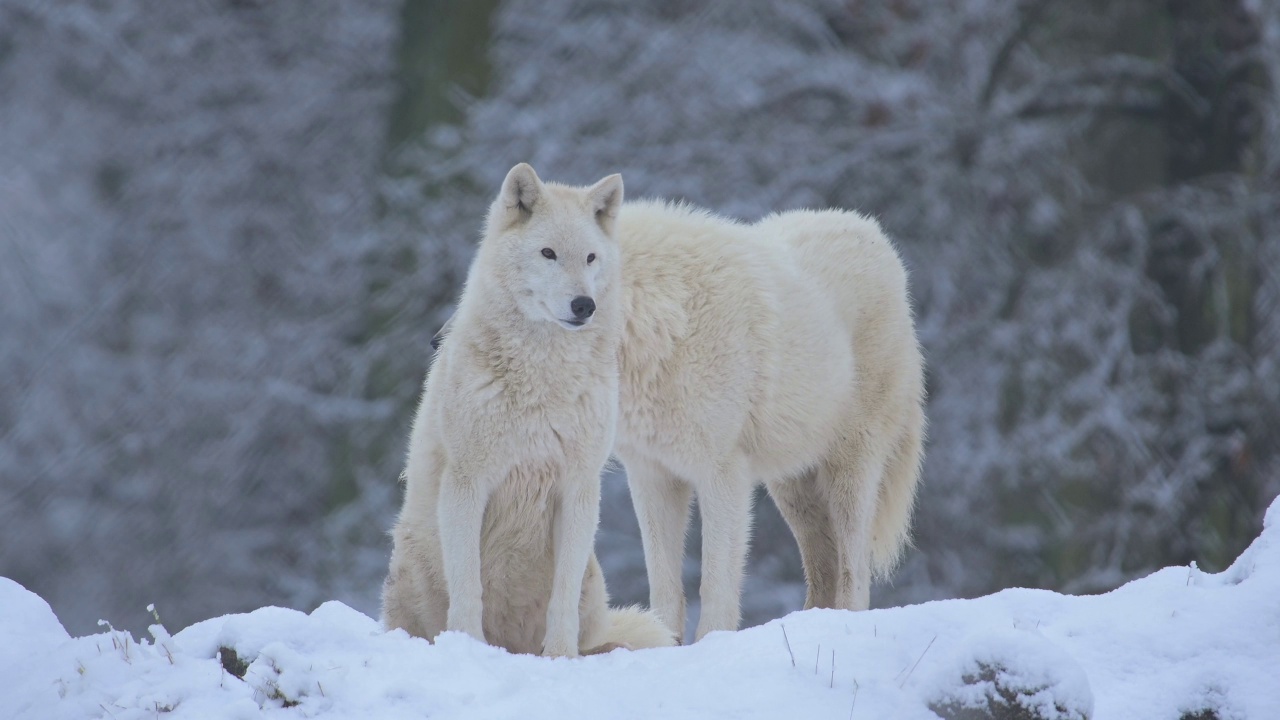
[[520, 193], [606, 198]]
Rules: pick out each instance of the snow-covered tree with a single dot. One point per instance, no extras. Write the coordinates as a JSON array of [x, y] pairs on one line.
[[228, 231]]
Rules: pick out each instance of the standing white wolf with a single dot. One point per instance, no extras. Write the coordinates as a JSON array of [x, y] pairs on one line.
[[516, 422], [783, 353]]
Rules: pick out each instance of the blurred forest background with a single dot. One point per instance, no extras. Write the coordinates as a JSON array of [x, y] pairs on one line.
[[229, 229]]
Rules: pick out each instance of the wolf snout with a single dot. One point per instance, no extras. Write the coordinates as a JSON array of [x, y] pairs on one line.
[[583, 307]]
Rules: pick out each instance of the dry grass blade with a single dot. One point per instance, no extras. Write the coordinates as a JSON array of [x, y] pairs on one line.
[[917, 662]]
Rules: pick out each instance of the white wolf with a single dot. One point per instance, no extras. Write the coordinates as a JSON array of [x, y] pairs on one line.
[[782, 352], [517, 419]]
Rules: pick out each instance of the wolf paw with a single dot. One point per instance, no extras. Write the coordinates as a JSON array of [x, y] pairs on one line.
[[560, 649]]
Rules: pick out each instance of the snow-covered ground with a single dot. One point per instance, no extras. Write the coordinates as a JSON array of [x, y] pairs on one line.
[[1179, 643]]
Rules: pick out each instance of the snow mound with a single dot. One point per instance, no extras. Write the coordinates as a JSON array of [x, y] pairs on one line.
[[1175, 645]]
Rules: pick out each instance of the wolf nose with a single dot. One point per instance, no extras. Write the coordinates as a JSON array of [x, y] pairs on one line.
[[582, 307]]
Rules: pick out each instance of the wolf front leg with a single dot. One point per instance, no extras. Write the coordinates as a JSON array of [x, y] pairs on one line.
[[725, 503], [460, 517], [577, 515], [662, 507]]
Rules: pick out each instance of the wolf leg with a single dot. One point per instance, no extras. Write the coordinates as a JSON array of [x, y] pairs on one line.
[[576, 518], [805, 508], [661, 502], [853, 491], [725, 506], [461, 514]]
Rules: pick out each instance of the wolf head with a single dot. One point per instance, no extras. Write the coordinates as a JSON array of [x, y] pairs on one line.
[[552, 247]]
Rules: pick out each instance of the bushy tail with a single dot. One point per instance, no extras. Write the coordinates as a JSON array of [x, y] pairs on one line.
[[634, 628], [891, 530]]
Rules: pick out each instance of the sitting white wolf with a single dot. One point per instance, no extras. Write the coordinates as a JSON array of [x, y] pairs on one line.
[[517, 420], [781, 352]]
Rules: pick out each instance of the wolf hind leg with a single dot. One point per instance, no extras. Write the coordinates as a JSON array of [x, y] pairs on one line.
[[853, 489], [804, 506]]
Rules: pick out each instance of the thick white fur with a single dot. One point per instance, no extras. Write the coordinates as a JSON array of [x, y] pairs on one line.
[[517, 419], [782, 352]]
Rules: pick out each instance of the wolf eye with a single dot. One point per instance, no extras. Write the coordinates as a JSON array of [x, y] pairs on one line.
[[548, 253], [591, 257]]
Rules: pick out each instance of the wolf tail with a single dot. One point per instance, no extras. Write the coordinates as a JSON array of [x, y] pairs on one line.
[[633, 628], [891, 532]]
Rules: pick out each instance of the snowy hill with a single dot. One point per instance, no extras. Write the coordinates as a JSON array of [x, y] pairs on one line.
[[1177, 644]]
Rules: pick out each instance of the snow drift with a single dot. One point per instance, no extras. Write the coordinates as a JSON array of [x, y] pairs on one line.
[[1177, 644]]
